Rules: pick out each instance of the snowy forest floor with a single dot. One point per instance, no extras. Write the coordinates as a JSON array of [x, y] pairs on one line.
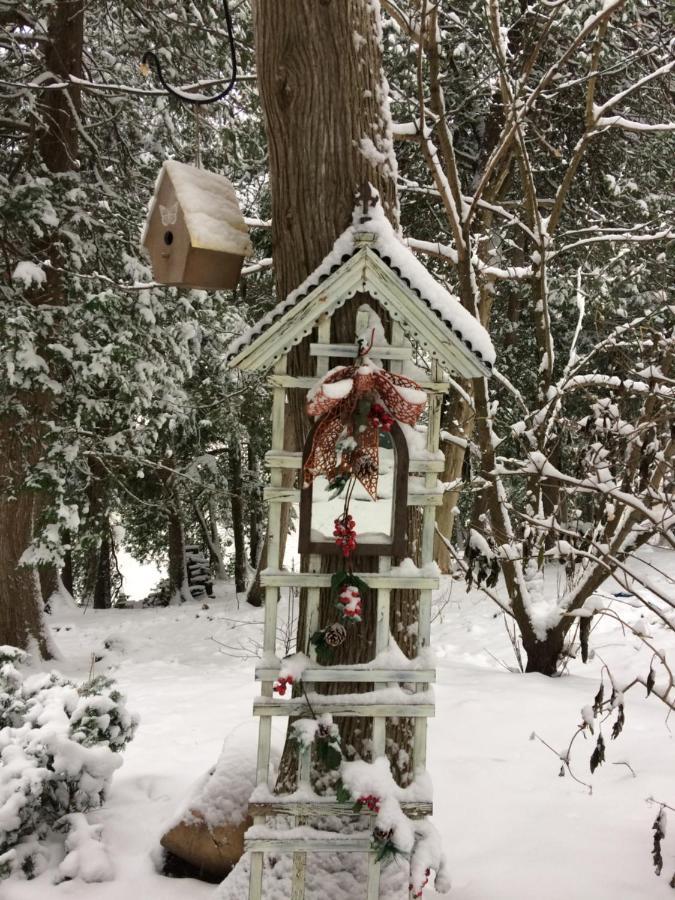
[[512, 828]]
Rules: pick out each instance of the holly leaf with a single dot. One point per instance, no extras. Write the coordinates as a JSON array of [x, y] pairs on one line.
[[336, 582], [342, 795], [357, 582]]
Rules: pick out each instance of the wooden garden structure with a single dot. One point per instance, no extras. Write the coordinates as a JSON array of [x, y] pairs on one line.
[[368, 263]]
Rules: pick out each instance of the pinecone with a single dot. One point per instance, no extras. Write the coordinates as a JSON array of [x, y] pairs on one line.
[[335, 635]]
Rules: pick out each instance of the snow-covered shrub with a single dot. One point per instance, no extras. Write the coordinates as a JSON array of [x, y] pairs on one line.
[[59, 747]]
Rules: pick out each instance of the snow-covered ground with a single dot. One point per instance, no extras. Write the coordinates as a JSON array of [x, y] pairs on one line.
[[513, 829]]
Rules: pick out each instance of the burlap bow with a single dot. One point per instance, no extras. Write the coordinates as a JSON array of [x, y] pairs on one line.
[[339, 407]]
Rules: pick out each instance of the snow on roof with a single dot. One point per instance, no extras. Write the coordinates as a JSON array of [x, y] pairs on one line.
[[211, 209], [388, 246]]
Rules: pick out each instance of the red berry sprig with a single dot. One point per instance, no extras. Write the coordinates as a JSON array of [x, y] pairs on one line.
[[380, 418], [371, 801], [345, 534], [350, 603], [418, 894], [281, 684]]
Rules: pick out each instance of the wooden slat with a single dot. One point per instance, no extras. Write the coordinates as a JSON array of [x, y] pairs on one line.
[[315, 809], [332, 844], [255, 878], [282, 494], [305, 382], [351, 351], [345, 674], [264, 706], [391, 580], [423, 498], [290, 459], [292, 495]]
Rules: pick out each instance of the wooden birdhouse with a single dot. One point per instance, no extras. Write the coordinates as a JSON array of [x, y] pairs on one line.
[[383, 337], [195, 232]]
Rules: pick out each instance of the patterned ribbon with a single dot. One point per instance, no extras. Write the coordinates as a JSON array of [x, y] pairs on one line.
[[339, 411]]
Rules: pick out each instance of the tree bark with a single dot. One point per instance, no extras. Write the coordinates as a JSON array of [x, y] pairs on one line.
[[103, 583], [178, 587], [324, 98], [255, 529], [21, 622], [237, 510]]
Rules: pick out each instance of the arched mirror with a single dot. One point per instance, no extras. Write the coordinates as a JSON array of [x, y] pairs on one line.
[[381, 522]]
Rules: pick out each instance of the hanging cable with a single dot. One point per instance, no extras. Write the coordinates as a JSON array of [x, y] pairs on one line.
[[198, 99]]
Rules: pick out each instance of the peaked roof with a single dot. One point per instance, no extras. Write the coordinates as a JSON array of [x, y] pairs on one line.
[[369, 257], [210, 207]]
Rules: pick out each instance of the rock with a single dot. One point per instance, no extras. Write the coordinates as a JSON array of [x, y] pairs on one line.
[[211, 850]]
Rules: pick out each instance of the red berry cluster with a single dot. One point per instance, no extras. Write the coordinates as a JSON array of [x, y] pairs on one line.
[[281, 684], [417, 894], [380, 418], [350, 601], [345, 534], [371, 801]]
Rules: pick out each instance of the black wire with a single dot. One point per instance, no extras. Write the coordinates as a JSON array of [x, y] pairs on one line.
[[151, 57]]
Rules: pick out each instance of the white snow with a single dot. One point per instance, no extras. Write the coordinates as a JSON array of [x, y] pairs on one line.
[[29, 273], [511, 828], [210, 207], [388, 244]]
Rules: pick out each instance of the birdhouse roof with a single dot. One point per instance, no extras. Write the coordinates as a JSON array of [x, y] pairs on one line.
[[210, 208], [370, 257]]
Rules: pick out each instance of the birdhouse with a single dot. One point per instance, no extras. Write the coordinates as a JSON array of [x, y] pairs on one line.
[[195, 232]]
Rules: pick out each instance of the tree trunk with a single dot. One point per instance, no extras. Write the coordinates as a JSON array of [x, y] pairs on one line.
[[320, 77], [215, 547], [237, 510], [255, 528], [103, 583], [67, 576], [21, 622], [178, 586], [49, 581], [543, 656], [21, 606]]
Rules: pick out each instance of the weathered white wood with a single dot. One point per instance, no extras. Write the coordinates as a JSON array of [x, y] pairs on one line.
[[313, 596], [300, 857], [382, 628], [305, 382], [365, 271], [379, 725], [278, 408], [345, 674], [264, 741], [321, 807], [373, 877], [423, 498], [292, 459], [255, 877], [281, 494], [264, 706], [420, 746], [351, 351], [391, 580], [424, 621], [324, 338], [406, 308], [425, 465], [298, 875], [332, 844], [292, 495]]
